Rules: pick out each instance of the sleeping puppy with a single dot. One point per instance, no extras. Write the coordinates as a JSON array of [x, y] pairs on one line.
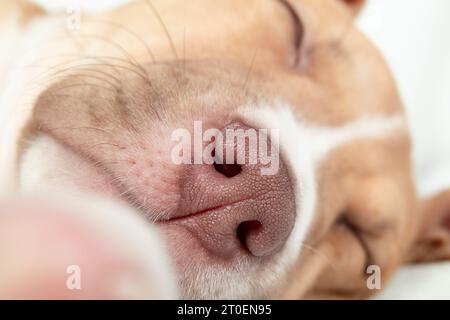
[[101, 107]]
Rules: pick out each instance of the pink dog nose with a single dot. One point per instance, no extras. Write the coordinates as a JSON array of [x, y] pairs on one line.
[[234, 207]]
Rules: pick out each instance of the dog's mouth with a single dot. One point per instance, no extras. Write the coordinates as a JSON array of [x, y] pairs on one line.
[[225, 210], [224, 230]]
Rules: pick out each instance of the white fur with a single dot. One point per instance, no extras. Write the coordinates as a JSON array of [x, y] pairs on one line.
[[43, 168], [16, 98], [133, 239]]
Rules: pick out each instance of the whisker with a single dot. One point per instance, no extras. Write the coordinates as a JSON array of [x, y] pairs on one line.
[[81, 65], [129, 31], [81, 57], [82, 76], [250, 69], [78, 128], [184, 50], [96, 145], [125, 52], [163, 25], [320, 254], [46, 77], [130, 59], [84, 84], [68, 96]]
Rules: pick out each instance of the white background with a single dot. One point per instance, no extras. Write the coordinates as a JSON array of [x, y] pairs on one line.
[[414, 35]]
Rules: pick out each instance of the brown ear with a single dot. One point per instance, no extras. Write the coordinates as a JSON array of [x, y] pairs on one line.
[[433, 242], [354, 5]]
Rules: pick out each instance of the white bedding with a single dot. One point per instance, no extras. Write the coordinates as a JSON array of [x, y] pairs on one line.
[[414, 35]]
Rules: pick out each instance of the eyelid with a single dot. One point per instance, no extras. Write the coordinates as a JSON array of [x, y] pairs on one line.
[[357, 233], [298, 29]]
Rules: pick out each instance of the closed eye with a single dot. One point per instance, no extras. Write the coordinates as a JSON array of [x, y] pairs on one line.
[[298, 29], [359, 236]]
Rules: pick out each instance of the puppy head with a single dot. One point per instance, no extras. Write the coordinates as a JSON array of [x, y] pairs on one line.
[[103, 117]]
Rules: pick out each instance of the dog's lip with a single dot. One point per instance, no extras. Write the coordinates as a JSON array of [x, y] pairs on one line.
[[202, 212], [186, 231]]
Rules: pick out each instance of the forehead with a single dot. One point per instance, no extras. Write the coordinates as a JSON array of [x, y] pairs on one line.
[[221, 25]]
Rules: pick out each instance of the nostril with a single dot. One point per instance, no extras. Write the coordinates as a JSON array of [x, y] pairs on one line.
[[245, 229], [237, 211], [228, 170]]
